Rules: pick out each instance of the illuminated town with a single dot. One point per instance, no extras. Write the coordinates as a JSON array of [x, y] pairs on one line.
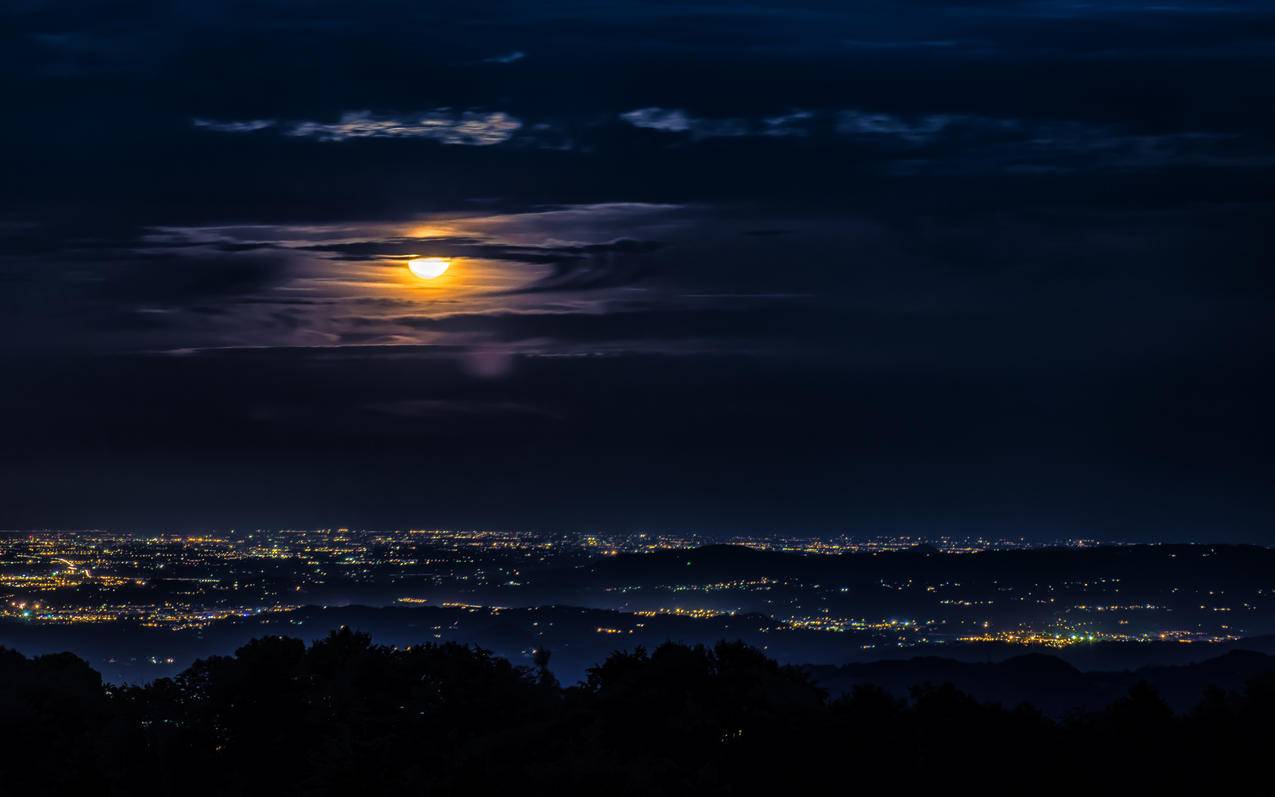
[[821, 598]]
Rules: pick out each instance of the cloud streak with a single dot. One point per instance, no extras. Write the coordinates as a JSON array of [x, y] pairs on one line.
[[466, 128], [245, 126]]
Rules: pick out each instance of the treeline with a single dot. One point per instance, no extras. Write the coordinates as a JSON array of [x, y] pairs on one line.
[[346, 716]]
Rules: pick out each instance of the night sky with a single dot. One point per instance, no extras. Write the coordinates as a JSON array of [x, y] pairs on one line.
[[900, 267]]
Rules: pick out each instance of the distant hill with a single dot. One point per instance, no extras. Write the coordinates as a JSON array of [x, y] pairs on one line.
[[1135, 564], [1048, 682]]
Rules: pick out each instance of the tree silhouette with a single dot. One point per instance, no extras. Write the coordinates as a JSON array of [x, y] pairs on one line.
[[345, 715]]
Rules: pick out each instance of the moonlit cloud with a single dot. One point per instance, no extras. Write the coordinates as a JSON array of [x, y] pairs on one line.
[[669, 120], [884, 124], [796, 123], [672, 120], [473, 128], [246, 126], [507, 58], [346, 284]]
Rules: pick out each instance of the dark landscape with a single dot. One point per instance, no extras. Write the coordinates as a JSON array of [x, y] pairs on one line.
[[344, 713], [516, 660]]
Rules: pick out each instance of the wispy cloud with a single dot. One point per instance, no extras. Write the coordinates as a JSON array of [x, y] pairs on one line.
[[474, 128], [471, 128], [674, 120], [244, 126], [802, 123], [506, 58], [884, 124], [796, 123], [667, 119]]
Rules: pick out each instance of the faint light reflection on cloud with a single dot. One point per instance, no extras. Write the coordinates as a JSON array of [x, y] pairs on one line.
[[349, 284]]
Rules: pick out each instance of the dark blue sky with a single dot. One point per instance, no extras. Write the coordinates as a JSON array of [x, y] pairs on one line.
[[913, 266]]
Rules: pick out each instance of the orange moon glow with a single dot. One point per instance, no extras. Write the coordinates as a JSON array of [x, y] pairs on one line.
[[428, 268]]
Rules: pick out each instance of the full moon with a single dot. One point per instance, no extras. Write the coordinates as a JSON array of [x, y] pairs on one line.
[[428, 268]]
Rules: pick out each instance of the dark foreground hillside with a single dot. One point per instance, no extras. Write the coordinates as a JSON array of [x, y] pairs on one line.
[[346, 716]]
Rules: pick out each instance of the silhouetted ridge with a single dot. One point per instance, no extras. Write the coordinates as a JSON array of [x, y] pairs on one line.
[[347, 716], [1037, 664]]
